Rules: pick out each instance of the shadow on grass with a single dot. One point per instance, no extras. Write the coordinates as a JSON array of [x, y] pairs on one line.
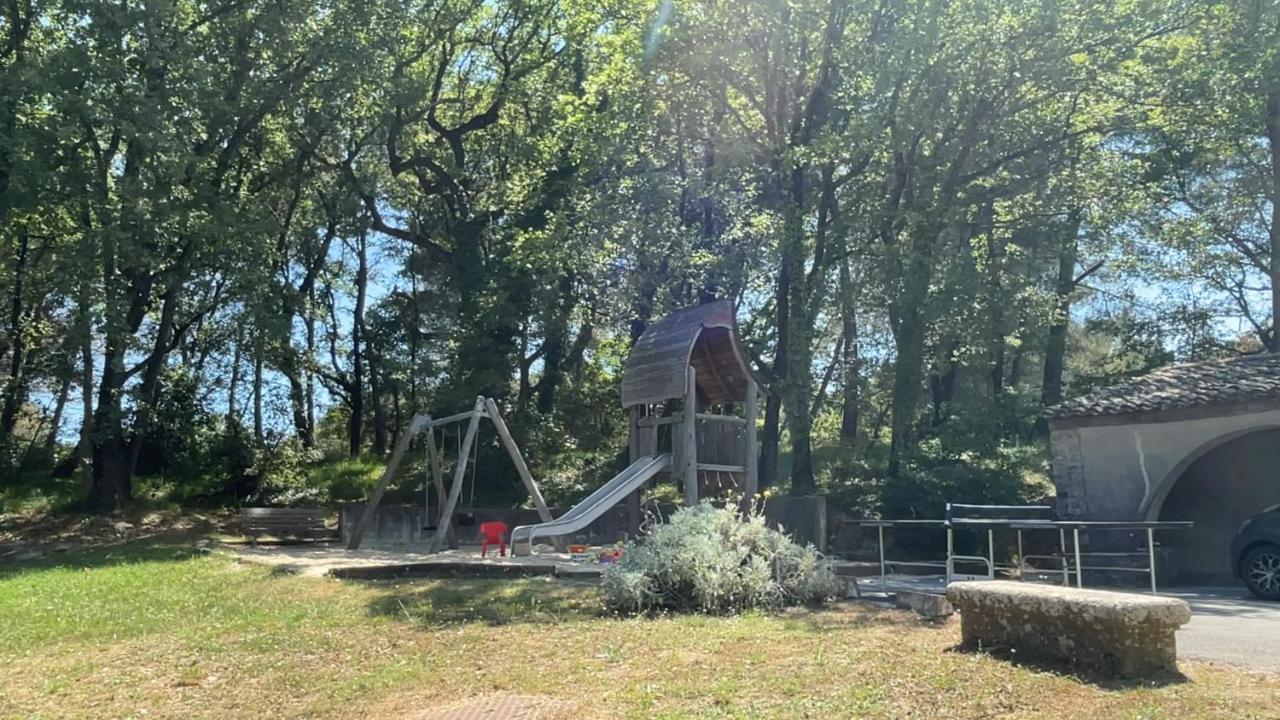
[[434, 603], [854, 614], [162, 546], [540, 600], [1100, 679]]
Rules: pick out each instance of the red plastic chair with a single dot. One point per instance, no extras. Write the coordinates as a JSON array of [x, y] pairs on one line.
[[494, 533]]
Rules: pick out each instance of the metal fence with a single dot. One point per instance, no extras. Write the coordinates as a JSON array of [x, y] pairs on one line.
[[1062, 565]]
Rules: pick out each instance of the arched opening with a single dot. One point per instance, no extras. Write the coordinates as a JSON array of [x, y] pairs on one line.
[[1218, 491]]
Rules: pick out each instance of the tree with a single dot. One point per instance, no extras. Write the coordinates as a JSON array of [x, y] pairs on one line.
[[1212, 138], [168, 197]]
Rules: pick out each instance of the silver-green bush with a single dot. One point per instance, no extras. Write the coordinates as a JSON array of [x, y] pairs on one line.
[[713, 560]]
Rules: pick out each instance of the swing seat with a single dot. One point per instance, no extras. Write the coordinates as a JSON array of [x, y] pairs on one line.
[[493, 533]]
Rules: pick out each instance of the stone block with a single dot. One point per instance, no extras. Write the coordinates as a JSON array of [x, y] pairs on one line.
[[928, 605], [1100, 632]]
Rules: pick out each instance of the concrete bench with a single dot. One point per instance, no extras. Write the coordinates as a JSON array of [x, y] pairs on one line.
[[1095, 631]]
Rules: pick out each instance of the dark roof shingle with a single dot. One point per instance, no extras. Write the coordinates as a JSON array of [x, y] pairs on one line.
[[706, 337], [1213, 382]]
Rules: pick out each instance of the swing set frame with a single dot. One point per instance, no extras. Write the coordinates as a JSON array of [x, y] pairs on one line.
[[483, 408]]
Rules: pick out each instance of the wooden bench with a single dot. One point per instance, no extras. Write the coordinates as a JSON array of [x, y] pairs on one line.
[[285, 523], [1099, 632]]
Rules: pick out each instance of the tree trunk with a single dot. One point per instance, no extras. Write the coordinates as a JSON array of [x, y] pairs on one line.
[[414, 407], [237, 356], [524, 389], [302, 424], [995, 298], [773, 406], [397, 414], [851, 362], [295, 302], [1055, 350], [799, 289], [150, 386], [798, 386], [309, 436], [110, 453], [1273, 139], [55, 424], [379, 409], [112, 472], [356, 427], [15, 383], [1014, 377], [942, 382], [18, 29], [259, 433], [86, 396], [769, 437], [909, 339]]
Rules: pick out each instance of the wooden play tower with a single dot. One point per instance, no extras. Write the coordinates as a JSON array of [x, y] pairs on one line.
[[688, 374]]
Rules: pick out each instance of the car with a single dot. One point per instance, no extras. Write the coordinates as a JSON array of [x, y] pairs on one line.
[[1255, 554]]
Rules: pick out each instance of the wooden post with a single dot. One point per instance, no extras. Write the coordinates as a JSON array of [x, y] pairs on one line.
[[459, 474], [751, 479], [634, 452], [522, 468], [633, 433], [437, 481], [647, 440], [688, 470], [366, 516]]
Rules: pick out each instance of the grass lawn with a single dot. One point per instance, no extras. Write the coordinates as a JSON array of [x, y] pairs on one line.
[[154, 629]]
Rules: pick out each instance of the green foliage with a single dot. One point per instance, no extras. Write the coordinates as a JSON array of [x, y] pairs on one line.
[[711, 560], [281, 476], [347, 479], [1116, 348], [852, 485], [184, 432], [933, 217], [933, 476]]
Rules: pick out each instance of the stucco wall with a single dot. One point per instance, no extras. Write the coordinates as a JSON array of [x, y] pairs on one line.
[[1125, 468], [1218, 492], [1123, 471]]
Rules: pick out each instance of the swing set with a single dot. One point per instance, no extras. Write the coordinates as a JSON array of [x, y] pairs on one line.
[[467, 447]]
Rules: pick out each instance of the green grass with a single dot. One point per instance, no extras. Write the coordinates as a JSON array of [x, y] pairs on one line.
[[155, 628]]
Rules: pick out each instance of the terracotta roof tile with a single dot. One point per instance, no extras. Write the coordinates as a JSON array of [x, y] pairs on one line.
[[1213, 382]]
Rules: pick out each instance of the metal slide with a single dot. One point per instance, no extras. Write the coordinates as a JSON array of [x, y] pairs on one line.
[[594, 505]]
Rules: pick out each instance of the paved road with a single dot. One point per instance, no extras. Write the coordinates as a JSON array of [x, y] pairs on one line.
[[1229, 626]]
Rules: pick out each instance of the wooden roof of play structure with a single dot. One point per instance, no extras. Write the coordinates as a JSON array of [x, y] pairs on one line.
[[706, 337]]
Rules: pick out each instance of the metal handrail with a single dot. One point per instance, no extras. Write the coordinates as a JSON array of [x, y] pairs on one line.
[[975, 559], [1019, 525]]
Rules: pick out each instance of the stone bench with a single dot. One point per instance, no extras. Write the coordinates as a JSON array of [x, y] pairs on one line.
[[1096, 631]]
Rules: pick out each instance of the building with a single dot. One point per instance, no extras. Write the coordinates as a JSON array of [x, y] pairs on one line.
[[1198, 441]]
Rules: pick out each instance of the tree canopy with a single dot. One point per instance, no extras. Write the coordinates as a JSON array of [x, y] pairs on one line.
[[242, 233]]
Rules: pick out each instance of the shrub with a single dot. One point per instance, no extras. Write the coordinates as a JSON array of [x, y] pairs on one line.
[[710, 559], [279, 470]]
